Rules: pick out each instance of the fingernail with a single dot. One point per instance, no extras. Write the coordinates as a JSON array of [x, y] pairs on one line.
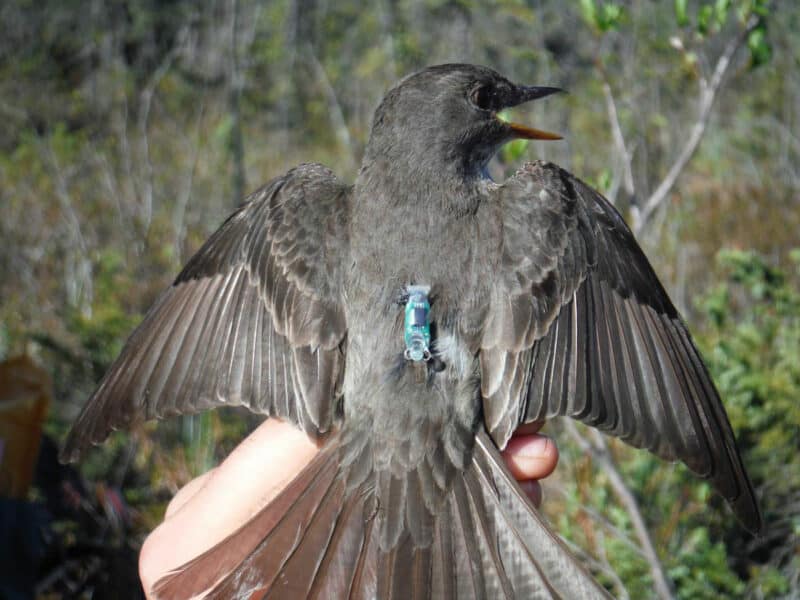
[[537, 447]]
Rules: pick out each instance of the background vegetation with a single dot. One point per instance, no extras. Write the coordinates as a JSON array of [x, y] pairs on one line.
[[130, 128]]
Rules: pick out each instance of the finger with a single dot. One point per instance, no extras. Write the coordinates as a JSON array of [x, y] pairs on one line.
[[530, 456], [252, 475], [533, 490], [186, 493]]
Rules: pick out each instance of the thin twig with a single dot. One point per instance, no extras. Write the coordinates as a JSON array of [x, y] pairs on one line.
[[598, 566], [625, 156], [235, 85], [622, 591], [146, 100], [599, 451], [708, 93], [78, 274], [603, 522], [336, 113]]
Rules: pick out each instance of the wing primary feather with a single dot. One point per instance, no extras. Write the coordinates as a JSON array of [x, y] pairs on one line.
[[235, 360], [552, 347], [626, 394], [708, 429], [157, 335], [740, 490], [252, 342], [576, 376], [599, 412], [206, 362], [177, 376], [169, 351], [186, 379], [696, 452], [639, 421], [222, 354], [561, 361], [647, 397], [667, 435], [538, 392]]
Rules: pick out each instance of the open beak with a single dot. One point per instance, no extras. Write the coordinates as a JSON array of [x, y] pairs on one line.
[[530, 133], [526, 93]]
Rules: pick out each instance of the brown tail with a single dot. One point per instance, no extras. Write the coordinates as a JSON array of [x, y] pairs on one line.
[[318, 539]]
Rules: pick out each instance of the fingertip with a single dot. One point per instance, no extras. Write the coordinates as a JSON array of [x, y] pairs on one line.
[[531, 456], [186, 493]]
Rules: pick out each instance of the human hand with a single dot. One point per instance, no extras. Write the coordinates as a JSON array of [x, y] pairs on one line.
[[214, 505]]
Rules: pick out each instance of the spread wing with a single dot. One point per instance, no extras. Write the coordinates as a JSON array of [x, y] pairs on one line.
[[253, 319], [580, 326]]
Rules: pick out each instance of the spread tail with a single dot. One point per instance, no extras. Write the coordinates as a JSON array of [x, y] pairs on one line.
[[320, 539]]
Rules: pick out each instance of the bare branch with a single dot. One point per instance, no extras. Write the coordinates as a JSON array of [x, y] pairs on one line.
[[708, 93], [146, 100], [336, 114], [236, 83], [622, 591], [182, 201], [598, 566], [600, 519], [78, 279], [619, 140], [599, 451], [385, 11]]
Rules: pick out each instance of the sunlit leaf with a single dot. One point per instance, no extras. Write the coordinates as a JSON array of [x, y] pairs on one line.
[[680, 13]]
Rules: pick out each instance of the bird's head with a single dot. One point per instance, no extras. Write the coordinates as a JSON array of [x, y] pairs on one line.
[[446, 117]]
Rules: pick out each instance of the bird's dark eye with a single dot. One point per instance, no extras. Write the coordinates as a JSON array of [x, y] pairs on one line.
[[482, 96]]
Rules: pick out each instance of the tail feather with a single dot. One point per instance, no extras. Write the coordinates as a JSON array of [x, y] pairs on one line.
[[322, 539], [339, 566], [523, 537], [364, 585], [302, 569]]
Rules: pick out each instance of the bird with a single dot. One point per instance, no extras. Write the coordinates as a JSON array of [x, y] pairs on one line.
[[410, 322]]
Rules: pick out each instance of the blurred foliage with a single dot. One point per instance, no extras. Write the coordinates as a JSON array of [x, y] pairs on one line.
[[129, 128]]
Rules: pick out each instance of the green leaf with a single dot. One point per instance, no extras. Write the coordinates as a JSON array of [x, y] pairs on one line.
[[589, 12], [721, 10], [514, 150], [704, 17], [760, 49], [604, 180], [680, 13], [610, 17]]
